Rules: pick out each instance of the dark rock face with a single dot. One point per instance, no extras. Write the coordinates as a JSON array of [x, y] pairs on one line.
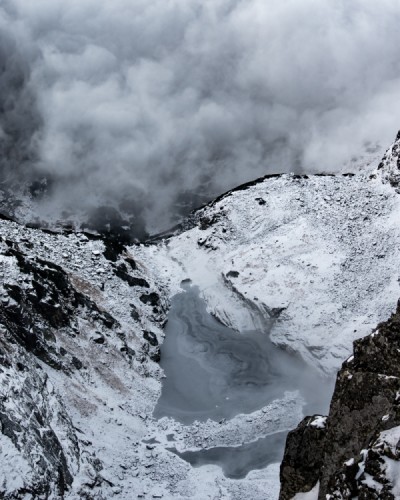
[[207, 221], [151, 338], [349, 455], [151, 299], [42, 304], [300, 468], [152, 348], [111, 224], [34, 311], [122, 272], [391, 163]]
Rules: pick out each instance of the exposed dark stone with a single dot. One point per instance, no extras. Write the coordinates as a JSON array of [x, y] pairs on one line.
[[232, 274], [151, 299], [242, 187], [151, 338], [122, 267], [206, 221], [364, 404], [37, 313], [113, 250], [20, 320], [30, 396], [155, 355], [115, 228], [121, 272], [99, 339], [261, 201], [205, 243], [77, 363], [128, 350], [134, 313], [303, 459], [131, 262]]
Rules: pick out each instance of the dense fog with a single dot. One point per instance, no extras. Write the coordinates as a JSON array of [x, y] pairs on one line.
[[150, 104]]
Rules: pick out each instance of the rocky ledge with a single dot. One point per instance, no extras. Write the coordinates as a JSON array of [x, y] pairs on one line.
[[354, 452]]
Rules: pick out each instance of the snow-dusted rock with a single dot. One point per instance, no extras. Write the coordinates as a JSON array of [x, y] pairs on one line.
[[75, 368], [356, 452]]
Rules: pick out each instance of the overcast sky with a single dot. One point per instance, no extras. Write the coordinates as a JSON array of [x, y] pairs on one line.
[[116, 98]]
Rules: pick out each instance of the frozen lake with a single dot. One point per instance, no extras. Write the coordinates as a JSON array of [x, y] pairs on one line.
[[213, 372]]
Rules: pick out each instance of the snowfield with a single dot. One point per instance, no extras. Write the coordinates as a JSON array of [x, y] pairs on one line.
[[317, 256]]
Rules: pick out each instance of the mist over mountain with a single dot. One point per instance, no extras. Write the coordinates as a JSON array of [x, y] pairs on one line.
[[150, 105]]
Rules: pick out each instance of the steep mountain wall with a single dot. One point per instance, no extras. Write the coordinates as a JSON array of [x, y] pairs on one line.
[[354, 451]]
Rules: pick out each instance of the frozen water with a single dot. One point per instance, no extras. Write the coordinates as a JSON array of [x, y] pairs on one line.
[[238, 461], [215, 372]]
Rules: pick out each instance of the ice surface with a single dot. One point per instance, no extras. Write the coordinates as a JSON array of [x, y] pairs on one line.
[[238, 461], [215, 372]]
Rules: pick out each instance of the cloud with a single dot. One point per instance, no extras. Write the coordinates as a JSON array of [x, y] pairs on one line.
[[154, 99]]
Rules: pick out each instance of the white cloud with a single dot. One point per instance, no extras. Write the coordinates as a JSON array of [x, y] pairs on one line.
[[166, 96]]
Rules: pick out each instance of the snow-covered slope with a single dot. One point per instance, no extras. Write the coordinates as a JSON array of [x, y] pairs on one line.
[[318, 256], [75, 364]]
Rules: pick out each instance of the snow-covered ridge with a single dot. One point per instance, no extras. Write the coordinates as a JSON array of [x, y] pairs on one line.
[[316, 255]]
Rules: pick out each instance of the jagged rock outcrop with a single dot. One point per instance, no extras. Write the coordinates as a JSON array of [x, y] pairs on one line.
[[354, 452], [44, 302], [389, 167]]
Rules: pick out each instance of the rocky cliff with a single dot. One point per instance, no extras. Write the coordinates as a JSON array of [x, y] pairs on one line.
[[354, 451]]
